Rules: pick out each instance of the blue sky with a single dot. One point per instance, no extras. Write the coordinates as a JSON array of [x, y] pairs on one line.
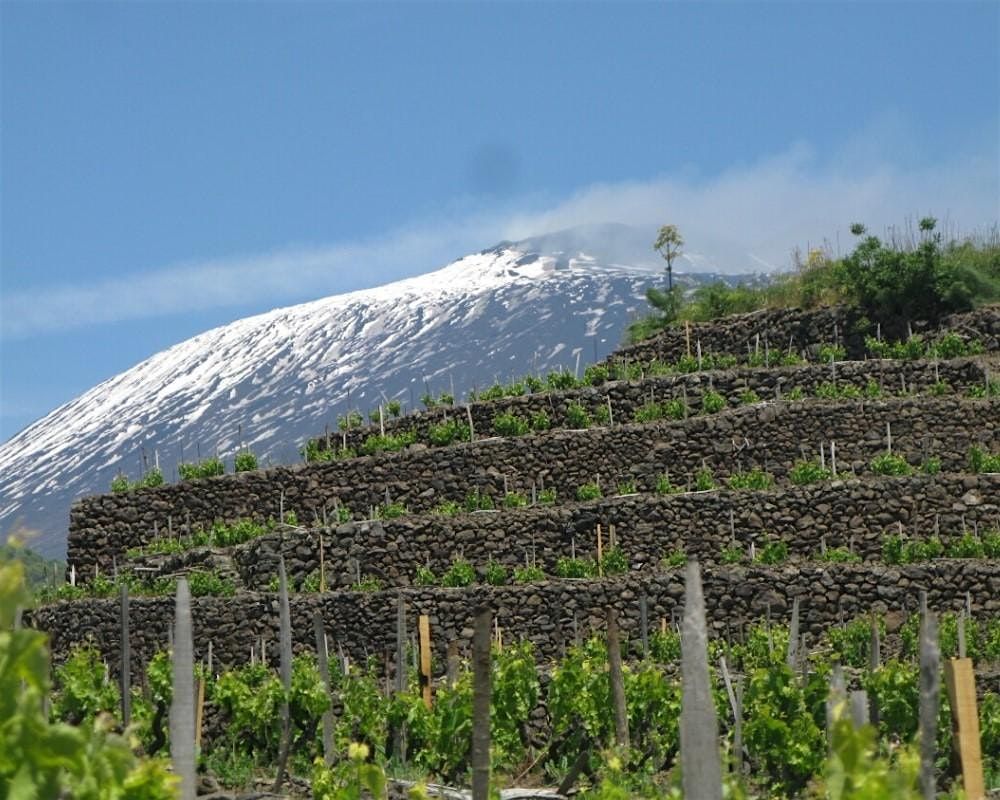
[[169, 167]]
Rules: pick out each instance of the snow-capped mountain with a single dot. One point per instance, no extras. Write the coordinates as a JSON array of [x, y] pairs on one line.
[[277, 378]]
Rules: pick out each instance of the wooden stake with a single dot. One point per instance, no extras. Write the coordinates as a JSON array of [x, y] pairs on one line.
[[617, 678], [285, 667], [199, 714], [961, 682], [182, 752], [126, 656], [701, 771], [424, 624], [600, 552], [322, 561], [644, 624], [481, 695], [930, 688], [453, 664]]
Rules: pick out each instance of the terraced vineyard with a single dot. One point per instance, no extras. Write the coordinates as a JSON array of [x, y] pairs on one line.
[[797, 478]]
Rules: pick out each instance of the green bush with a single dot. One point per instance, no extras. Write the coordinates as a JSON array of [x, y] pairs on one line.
[[890, 464], [982, 461], [596, 374], [447, 508], [83, 689], [515, 500], [614, 561], [575, 567], [704, 480], [664, 486], [245, 461], [774, 552], [204, 583], [509, 424], [627, 487], [851, 642], [388, 443], [547, 497], [460, 573], [806, 472], [447, 432], [528, 574], [589, 491], [206, 468], [839, 555], [712, 402], [675, 558], [391, 510], [153, 477], [352, 419], [577, 416], [475, 501], [425, 577], [749, 397], [756, 479], [495, 573], [733, 554], [368, 583], [561, 381], [540, 421]]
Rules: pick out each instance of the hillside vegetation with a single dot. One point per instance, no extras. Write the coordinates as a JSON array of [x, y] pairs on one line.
[[913, 276]]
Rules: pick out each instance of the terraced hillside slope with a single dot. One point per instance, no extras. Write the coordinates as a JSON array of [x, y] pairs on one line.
[[816, 477]]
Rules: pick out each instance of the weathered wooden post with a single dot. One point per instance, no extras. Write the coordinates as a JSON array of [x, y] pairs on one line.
[[701, 771], [481, 696], [126, 655], [182, 704], [424, 625], [400, 683], [961, 683], [644, 624], [793, 637], [285, 667], [323, 662], [617, 678], [930, 687]]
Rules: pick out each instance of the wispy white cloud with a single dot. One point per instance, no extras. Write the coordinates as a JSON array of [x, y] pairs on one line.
[[744, 219]]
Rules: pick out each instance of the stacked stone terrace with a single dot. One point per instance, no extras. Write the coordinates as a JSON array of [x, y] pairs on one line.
[[926, 410]]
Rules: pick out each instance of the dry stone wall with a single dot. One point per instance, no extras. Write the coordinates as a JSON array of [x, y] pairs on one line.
[[771, 436], [797, 329], [626, 397], [842, 513], [364, 624]]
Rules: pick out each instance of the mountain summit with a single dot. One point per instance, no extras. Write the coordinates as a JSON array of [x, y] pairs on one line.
[[272, 380]]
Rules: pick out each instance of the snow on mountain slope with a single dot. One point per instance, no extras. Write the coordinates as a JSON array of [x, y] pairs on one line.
[[279, 377]]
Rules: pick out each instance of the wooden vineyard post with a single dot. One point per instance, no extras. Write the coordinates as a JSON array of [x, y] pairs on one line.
[[400, 683], [793, 637], [481, 695], [600, 552], [961, 683], [617, 679], [182, 705], [453, 663], [285, 666], [322, 559], [425, 658], [701, 771], [323, 662], [644, 624], [126, 671], [199, 712], [874, 662], [930, 688]]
